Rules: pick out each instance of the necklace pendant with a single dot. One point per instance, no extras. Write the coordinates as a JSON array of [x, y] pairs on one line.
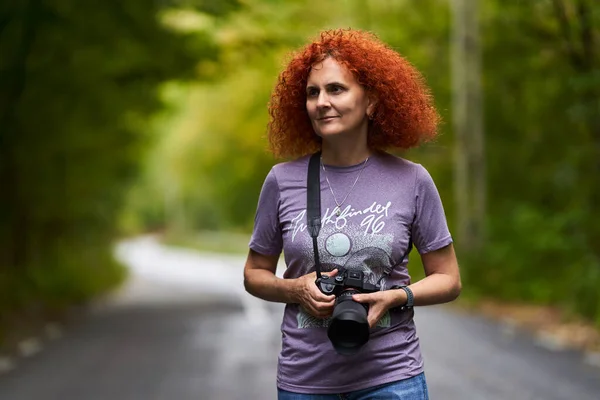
[[338, 212]]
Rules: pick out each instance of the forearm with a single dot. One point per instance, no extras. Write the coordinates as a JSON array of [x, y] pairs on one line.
[[267, 286], [436, 288]]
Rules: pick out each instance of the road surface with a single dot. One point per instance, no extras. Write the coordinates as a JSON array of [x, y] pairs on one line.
[[183, 328]]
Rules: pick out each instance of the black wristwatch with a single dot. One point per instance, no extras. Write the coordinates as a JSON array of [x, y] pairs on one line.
[[410, 298]]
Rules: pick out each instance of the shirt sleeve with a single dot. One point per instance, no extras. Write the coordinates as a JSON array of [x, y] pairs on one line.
[[430, 229], [267, 235]]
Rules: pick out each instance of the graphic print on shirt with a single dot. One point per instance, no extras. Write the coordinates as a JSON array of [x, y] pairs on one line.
[[353, 241]]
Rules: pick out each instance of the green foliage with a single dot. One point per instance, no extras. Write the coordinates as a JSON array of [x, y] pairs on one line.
[[542, 133], [210, 241], [541, 98], [214, 159], [79, 81]]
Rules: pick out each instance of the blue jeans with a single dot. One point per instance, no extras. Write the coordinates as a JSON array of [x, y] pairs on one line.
[[414, 388]]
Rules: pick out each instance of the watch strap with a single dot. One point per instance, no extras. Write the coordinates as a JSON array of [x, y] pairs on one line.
[[410, 298]]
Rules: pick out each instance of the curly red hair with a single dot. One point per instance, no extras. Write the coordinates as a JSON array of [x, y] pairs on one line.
[[405, 115]]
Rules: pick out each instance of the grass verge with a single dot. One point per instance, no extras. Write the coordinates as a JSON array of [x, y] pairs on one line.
[[210, 241]]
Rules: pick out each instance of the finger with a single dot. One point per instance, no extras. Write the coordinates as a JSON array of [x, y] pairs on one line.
[[311, 309], [372, 319], [333, 272], [315, 313], [375, 314], [320, 305], [325, 306], [320, 312], [319, 296], [372, 323], [363, 298]]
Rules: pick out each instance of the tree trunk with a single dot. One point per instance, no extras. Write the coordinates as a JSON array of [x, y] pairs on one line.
[[470, 176], [15, 252]]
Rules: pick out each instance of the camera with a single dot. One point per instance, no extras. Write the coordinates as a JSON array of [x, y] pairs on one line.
[[348, 329]]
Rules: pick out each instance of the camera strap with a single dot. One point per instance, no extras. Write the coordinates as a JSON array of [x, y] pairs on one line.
[[313, 210], [313, 205]]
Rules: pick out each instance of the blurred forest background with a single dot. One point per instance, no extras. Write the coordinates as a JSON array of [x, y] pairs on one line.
[[122, 118]]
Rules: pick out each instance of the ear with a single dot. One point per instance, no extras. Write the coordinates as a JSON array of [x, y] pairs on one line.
[[371, 105]]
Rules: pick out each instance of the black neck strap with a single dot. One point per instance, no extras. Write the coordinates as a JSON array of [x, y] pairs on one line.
[[313, 205], [313, 210]]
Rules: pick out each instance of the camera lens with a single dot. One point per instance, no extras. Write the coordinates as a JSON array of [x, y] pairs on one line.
[[348, 330]]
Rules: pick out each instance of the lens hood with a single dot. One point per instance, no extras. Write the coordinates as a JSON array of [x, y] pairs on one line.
[[348, 329]]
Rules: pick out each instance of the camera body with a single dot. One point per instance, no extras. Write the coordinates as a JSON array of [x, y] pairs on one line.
[[346, 280], [348, 329]]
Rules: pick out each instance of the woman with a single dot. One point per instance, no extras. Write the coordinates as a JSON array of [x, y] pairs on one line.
[[350, 96]]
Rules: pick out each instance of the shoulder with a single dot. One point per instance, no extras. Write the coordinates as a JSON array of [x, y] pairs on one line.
[[396, 164], [290, 170], [406, 172]]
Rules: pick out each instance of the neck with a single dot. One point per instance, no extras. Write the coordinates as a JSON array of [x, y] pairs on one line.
[[344, 154]]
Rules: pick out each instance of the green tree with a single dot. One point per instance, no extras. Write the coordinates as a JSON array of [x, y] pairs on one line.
[[78, 82], [214, 157], [541, 107]]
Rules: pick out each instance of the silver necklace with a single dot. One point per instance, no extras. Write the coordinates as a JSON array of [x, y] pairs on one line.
[[338, 209]]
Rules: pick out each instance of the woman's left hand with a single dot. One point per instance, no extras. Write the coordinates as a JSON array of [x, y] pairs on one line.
[[379, 303]]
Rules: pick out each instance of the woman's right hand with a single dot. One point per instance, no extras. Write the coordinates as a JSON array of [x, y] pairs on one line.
[[311, 298]]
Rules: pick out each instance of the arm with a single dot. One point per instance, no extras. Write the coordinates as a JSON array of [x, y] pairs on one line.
[[441, 283], [442, 279], [260, 281]]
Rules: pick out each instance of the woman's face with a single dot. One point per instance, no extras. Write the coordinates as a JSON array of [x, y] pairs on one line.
[[336, 103]]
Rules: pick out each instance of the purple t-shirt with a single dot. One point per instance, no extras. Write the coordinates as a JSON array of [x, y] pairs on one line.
[[394, 201]]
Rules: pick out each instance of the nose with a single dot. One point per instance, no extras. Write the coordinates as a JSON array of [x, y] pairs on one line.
[[323, 100]]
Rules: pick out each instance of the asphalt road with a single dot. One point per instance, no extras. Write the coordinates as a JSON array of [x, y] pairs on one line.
[[183, 328]]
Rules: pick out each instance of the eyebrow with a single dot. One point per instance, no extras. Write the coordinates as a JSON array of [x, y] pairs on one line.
[[328, 84]]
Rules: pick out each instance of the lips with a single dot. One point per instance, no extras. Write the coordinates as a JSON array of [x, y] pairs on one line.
[[327, 118]]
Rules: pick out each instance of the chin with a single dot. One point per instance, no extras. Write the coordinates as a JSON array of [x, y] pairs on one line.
[[324, 133]]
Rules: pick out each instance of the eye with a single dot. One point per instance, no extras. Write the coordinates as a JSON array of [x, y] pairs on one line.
[[336, 89], [312, 92]]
